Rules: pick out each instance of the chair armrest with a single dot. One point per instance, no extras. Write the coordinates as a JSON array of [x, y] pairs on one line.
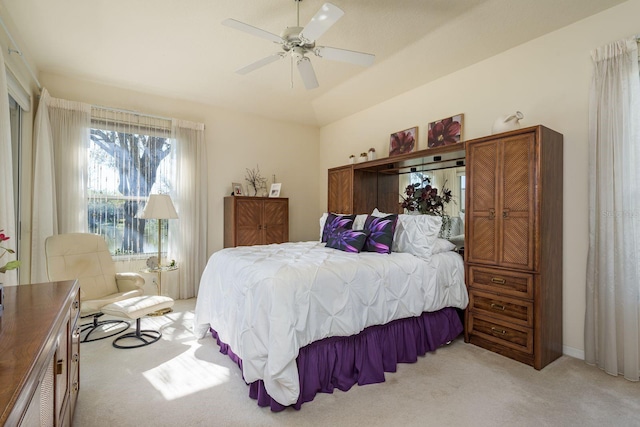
[[129, 281]]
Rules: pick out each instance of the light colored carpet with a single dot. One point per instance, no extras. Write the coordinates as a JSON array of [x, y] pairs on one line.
[[180, 381]]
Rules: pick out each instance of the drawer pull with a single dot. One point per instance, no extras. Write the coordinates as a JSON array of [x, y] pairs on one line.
[[497, 331], [497, 306], [498, 280]]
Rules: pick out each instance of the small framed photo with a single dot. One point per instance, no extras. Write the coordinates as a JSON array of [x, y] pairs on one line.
[[403, 142], [237, 189], [275, 190], [445, 132]]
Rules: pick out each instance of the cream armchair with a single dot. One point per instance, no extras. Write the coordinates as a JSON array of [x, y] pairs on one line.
[[86, 257]]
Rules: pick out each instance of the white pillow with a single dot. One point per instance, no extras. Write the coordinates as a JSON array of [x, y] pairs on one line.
[[417, 234], [442, 245], [358, 223]]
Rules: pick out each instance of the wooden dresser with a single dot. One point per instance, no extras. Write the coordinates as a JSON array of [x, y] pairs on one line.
[[39, 354], [255, 220], [513, 244]]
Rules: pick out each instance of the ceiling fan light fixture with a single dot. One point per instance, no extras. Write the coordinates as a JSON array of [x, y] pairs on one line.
[[302, 40]]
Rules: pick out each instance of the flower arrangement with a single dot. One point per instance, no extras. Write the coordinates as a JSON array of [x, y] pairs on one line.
[[11, 265], [424, 198]]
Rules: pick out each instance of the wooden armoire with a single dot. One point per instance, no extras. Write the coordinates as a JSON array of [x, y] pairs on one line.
[[513, 244], [255, 220]]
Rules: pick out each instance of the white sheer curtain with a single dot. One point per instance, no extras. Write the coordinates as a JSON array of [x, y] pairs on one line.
[[612, 329], [70, 125], [44, 221], [61, 133], [7, 211], [188, 234]]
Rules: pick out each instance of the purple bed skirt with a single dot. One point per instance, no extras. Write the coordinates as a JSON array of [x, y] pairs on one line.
[[341, 362]]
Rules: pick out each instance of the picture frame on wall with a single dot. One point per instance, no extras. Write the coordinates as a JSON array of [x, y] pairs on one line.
[[445, 132], [403, 142], [238, 190], [275, 189]]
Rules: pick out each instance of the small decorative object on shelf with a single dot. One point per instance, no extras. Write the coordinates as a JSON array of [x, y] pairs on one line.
[[371, 155], [352, 159], [507, 123], [255, 180], [363, 158]]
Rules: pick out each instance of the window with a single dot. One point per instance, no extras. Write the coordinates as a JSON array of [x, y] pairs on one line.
[[129, 157]]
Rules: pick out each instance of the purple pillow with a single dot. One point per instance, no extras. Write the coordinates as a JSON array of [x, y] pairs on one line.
[[380, 233], [334, 222], [347, 240]]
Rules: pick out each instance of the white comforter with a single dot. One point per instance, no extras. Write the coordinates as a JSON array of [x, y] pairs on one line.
[[267, 302]]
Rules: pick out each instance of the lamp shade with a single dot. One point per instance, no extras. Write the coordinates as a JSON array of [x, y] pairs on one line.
[[159, 206]]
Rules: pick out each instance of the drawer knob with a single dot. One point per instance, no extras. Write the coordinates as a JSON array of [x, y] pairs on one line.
[[497, 306], [498, 280], [497, 331]]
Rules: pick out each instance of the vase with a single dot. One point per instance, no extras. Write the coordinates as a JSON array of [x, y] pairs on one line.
[[371, 155], [507, 123]]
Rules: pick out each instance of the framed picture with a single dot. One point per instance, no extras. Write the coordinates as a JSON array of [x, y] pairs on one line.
[[275, 190], [237, 189], [405, 141], [445, 132]]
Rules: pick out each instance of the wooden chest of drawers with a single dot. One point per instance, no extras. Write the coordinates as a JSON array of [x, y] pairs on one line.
[[40, 354]]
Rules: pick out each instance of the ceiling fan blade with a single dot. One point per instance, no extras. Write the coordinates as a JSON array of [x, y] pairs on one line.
[[261, 63], [254, 31], [353, 57], [306, 72], [321, 22]]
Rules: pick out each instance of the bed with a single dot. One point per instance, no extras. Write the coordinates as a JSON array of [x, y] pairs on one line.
[[302, 318]]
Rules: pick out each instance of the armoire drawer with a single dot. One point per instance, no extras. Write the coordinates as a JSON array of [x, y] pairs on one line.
[[505, 282], [509, 309], [508, 335]]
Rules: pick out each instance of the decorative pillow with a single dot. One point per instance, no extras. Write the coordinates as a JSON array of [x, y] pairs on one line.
[[381, 230], [442, 245], [347, 240], [358, 223], [334, 222], [417, 234]]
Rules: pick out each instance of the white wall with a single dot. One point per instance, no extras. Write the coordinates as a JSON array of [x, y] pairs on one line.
[[235, 142], [548, 80]]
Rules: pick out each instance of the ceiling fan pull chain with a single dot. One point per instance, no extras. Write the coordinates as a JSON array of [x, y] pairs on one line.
[[292, 72]]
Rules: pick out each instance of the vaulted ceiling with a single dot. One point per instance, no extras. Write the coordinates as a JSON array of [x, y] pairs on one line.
[[179, 49]]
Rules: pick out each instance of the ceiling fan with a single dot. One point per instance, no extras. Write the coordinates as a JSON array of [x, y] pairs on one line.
[[298, 42]]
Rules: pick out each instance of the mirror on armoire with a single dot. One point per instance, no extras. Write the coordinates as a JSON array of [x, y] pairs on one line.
[[452, 179]]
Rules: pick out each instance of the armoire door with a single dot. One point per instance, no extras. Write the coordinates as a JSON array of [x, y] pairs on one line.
[[276, 221], [516, 216], [249, 222], [500, 201], [340, 190]]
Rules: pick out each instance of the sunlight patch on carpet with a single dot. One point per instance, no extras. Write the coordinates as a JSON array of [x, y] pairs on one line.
[[185, 374]]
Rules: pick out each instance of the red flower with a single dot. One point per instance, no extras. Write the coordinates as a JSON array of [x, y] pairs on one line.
[[444, 132], [401, 142], [3, 237]]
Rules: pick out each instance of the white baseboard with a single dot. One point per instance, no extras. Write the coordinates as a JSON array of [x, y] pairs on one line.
[[573, 352]]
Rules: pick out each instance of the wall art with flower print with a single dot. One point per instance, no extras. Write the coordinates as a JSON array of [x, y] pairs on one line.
[[445, 132], [403, 142]]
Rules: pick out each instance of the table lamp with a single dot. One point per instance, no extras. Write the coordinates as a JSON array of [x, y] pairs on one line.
[[159, 206]]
